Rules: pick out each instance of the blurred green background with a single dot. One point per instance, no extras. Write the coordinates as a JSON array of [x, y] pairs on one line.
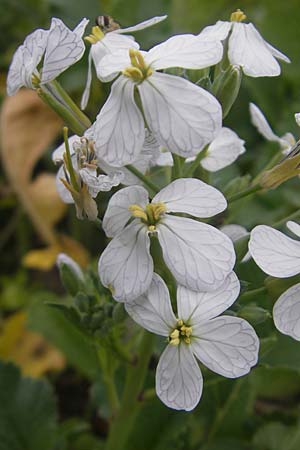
[[260, 413]]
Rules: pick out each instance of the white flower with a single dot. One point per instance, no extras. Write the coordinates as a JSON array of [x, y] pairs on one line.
[[87, 183], [279, 255], [222, 151], [236, 232], [275, 253], [60, 48], [63, 259], [107, 37], [182, 116], [226, 345], [198, 255], [246, 47], [286, 142]]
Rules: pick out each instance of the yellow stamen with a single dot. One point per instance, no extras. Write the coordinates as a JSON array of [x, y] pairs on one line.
[[133, 72], [95, 36], [137, 211], [138, 70], [237, 16], [35, 79], [152, 228]]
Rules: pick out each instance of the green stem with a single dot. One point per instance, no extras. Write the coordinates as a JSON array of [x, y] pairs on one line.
[[293, 216], [143, 178], [244, 193], [69, 160], [276, 158], [177, 167], [107, 370], [253, 292], [130, 404], [190, 169]]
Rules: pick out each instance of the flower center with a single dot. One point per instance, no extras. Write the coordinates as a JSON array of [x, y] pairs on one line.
[[151, 215], [138, 71], [182, 333], [96, 35], [237, 16]]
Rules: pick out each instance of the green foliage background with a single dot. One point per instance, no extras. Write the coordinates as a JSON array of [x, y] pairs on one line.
[[261, 411]]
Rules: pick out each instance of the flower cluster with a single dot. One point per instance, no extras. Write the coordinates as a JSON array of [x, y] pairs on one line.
[[156, 116]]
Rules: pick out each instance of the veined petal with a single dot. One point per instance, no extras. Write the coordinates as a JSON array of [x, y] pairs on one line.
[[153, 310], [179, 380], [234, 231], [218, 31], [293, 227], [142, 25], [286, 312], [62, 191], [99, 183], [86, 93], [119, 130], [199, 256], [16, 77], [185, 50], [248, 50], [277, 53], [57, 155], [109, 64], [195, 307], [117, 213], [260, 122], [192, 196], [226, 345], [223, 150], [80, 27], [126, 266], [182, 116], [274, 252], [64, 48]]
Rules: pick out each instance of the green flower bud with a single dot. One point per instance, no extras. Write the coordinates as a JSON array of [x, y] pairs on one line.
[[254, 314], [70, 274], [226, 87]]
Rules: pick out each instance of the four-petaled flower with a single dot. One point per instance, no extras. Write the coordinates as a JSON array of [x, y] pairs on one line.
[[182, 116], [246, 47], [59, 46], [198, 255], [226, 345]]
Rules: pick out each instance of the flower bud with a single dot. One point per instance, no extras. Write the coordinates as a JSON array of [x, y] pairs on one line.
[[71, 274], [226, 87], [288, 168], [254, 314]]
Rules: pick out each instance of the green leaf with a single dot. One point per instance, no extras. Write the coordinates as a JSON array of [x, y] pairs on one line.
[[56, 328], [28, 419], [276, 436]]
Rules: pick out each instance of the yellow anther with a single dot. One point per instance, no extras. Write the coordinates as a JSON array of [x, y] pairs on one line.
[[174, 341], [187, 340], [237, 16], [152, 228], [174, 334], [179, 323], [35, 79], [135, 73], [137, 211], [95, 36], [138, 70], [186, 331]]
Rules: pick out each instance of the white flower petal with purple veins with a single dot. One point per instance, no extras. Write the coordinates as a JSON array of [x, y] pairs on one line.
[[99, 183], [182, 116], [260, 122], [125, 266], [223, 151], [274, 252], [196, 307], [153, 310], [226, 345], [64, 48], [199, 256], [62, 191], [58, 153], [179, 380], [286, 312], [248, 50], [119, 129], [117, 213], [186, 51], [192, 196]]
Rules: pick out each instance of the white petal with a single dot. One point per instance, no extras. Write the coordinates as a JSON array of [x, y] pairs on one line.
[[109, 62], [178, 378], [294, 227], [286, 312], [57, 155], [185, 50], [192, 196], [199, 256], [142, 25], [234, 231], [164, 159], [248, 50], [80, 28], [260, 122], [117, 213], [119, 129], [194, 307], [62, 258], [16, 77], [276, 254], [153, 310], [219, 31], [126, 266], [64, 48], [226, 345], [182, 116], [62, 191], [277, 53], [86, 93], [223, 150], [99, 183]]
